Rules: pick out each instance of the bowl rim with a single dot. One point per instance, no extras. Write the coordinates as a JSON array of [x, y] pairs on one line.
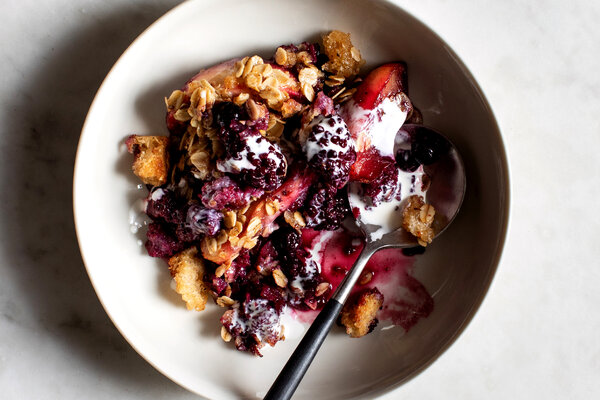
[[507, 201]]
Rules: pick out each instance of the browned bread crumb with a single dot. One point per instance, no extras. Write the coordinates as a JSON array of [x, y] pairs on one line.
[[344, 58], [151, 161], [188, 271], [417, 218], [358, 314]]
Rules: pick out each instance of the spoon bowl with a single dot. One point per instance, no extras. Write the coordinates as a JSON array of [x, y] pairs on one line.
[[447, 190], [442, 172], [442, 176]]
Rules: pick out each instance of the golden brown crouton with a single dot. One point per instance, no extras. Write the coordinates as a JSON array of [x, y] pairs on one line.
[[151, 159], [417, 218], [188, 271], [358, 314]]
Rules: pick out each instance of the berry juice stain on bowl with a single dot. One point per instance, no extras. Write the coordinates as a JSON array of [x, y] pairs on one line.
[[384, 358], [388, 271]]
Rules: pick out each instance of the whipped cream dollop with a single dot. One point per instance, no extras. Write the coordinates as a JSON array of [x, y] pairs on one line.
[[321, 132]]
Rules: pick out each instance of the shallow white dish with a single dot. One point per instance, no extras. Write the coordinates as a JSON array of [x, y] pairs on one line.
[[135, 289]]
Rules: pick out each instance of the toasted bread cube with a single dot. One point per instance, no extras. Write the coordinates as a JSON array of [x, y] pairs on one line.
[[417, 218], [359, 313], [151, 158], [188, 271]]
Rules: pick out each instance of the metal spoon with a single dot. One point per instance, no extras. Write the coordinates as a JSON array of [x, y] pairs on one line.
[[446, 193]]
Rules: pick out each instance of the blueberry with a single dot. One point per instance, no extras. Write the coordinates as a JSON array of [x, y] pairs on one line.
[[406, 160], [202, 220], [428, 147]]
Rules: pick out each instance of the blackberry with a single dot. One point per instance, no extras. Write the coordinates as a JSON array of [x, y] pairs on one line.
[[330, 149], [162, 242], [326, 208], [164, 205], [259, 164]]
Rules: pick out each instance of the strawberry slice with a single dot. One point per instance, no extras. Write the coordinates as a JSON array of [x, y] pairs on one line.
[[215, 75], [386, 81], [261, 215], [377, 111], [369, 165]]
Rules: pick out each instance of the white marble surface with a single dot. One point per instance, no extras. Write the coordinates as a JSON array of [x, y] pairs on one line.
[[536, 335]]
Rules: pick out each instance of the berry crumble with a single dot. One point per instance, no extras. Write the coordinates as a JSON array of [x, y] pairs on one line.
[[249, 192]]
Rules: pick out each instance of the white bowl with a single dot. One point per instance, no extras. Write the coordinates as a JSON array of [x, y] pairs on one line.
[[134, 288]]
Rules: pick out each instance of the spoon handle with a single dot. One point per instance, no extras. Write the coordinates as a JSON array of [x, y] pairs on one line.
[[292, 373], [290, 376]]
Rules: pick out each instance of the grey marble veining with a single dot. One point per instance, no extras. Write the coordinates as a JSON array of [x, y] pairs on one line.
[[536, 333]]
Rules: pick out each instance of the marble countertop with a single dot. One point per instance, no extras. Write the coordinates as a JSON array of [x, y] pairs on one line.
[[536, 335]]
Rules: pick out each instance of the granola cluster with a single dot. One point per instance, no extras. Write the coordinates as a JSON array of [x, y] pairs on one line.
[[417, 218]]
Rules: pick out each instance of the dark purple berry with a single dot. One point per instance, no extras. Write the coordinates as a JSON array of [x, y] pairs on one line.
[[274, 296], [249, 157], [234, 125], [287, 239], [161, 241], [217, 285], [186, 235], [406, 161], [238, 270], [203, 221], [252, 324], [164, 205], [428, 146], [259, 164], [326, 208], [329, 149]]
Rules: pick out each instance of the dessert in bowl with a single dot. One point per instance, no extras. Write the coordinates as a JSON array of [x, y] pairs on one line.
[[249, 192], [135, 290]]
